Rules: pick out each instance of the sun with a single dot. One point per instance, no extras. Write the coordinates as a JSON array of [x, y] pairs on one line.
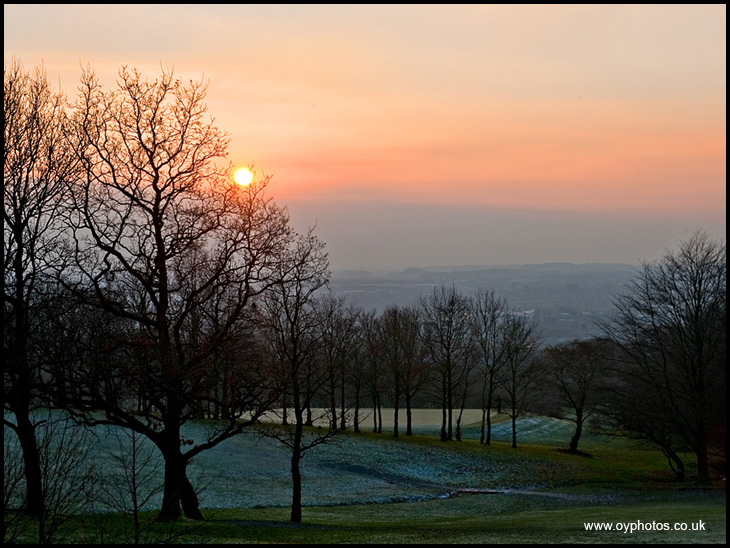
[[243, 176]]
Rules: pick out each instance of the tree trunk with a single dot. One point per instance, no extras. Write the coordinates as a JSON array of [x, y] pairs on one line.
[[309, 421], [19, 369], [380, 417], [488, 441], [461, 414], [356, 417], [489, 419], [296, 498], [376, 405], [333, 411], [443, 410], [343, 407], [450, 405], [296, 457], [395, 416], [284, 412], [578, 430], [675, 463], [188, 498], [35, 504], [484, 419], [703, 465], [178, 490], [409, 417], [514, 425]]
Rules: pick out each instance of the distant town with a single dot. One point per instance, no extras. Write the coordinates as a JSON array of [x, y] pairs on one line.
[[565, 298]]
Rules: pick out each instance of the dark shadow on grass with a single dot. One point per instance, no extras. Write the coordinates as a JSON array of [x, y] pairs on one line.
[[393, 479], [576, 452], [276, 524]]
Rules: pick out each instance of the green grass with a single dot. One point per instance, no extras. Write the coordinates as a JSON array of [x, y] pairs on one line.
[[369, 488], [621, 465], [487, 518]]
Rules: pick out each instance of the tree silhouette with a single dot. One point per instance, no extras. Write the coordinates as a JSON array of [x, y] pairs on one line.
[[490, 321], [291, 324], [336, 332], [360, 367], [519, 375], [670, 327], [574, 371], [401, 343], [449, 343], [37, 165], [166, 241]]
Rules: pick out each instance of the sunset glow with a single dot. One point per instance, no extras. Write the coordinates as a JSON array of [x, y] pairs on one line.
[[574, 111], [243, 176]]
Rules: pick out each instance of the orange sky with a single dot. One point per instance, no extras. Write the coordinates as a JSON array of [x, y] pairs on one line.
[[606, 109]]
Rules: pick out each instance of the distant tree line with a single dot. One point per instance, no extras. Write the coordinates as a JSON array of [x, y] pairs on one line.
[[144, 289]]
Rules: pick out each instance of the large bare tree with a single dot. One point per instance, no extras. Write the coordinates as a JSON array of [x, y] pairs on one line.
[[165, 240], [37, 165], [670, 326]]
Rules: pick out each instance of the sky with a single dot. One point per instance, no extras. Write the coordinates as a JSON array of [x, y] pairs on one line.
[[431, 135]]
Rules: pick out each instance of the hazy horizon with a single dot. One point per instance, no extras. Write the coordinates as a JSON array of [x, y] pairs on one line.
[[430, 135], [401, 236]]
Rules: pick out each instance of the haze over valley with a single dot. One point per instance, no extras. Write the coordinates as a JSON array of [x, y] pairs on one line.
[[565, 298]]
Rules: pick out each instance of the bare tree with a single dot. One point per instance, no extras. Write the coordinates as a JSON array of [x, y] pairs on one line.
[[336, 332], [415, 369], [448, 339], [373, 366], [490, 321], [636, 410], [136, 478], [166, 241], [67, 478], [14, 499], [401, 346], [360, 367], [290, 321], [519, 375], [37, 165], [574, 371], [670, 327], [67, 472]]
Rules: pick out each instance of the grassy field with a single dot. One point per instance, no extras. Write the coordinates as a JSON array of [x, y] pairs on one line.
[[372, 488]]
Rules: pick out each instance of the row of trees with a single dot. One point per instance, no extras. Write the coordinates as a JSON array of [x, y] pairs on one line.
[[143, 289]]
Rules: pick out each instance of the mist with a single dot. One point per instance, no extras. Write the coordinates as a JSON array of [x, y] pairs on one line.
[[378, 235]]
